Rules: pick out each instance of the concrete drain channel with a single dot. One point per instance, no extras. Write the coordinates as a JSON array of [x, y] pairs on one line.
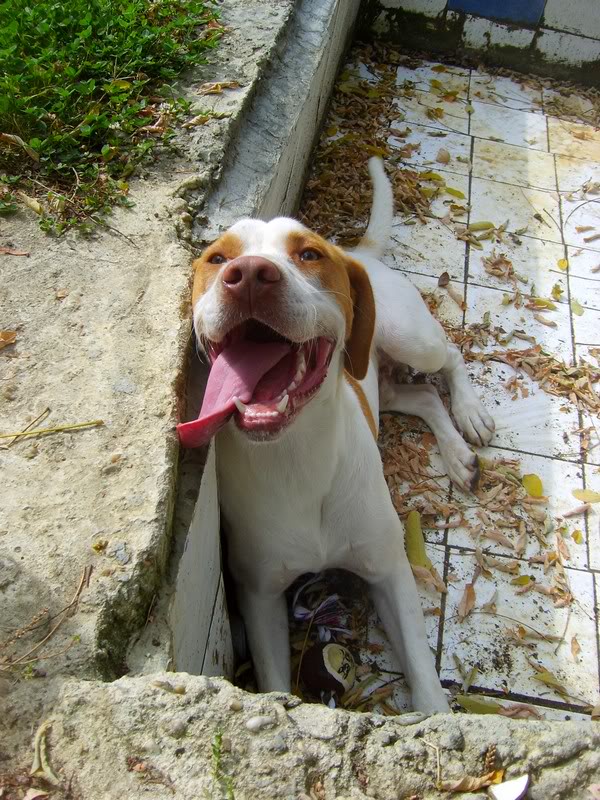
[[264, 178]]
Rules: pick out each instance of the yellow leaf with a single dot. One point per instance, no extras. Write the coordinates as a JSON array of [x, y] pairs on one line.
[[439, 68], [477, 705], [587, 495], [557, 291], [455, 193], [436, 84], [414, 542], [30, 202], [548, 678], [563, 264], [480, 226], [521, 580], [431, 176], [576, 307], [577, 537], [533, 485], [541, 302]]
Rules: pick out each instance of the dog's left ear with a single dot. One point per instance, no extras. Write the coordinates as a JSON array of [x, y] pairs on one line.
[[360, 335]]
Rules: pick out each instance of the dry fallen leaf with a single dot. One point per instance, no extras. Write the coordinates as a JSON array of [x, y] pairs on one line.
[[7, 337], [576, 307], [429, 578], [563, 264], [467, 602], [217, 87], [520, 711], [35, 794], [443, 156], [469, 783], [8, 251], [575, 648], [587, 495]]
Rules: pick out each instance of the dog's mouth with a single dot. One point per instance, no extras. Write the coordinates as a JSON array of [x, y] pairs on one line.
[[260, 378]]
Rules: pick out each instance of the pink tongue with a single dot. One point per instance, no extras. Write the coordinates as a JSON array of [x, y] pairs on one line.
[[235, 373]]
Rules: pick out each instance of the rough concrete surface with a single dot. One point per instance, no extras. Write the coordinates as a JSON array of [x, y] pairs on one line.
[[275, 747], [102, 328]]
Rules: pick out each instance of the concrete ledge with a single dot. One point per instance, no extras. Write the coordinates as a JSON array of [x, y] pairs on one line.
[[157, 734]]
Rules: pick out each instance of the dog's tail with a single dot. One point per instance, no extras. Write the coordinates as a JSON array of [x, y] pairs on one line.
[[382, 210]]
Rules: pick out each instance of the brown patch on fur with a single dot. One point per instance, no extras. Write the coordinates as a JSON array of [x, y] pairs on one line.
[[364, 403], [230, 246], [349, 283]]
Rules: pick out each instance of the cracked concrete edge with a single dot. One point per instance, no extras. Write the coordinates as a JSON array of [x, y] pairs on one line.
[[157, 734]]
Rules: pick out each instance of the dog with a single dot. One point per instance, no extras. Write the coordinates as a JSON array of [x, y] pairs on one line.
[[302, 336]]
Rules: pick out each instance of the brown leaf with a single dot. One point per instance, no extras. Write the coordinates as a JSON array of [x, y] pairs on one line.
[[444, 279], [520, 711], [217, 87], [443, 156], [467, 602], [7, 337], [11, 138], [575, 648], [429, 578], [469, 783], [8, 251]]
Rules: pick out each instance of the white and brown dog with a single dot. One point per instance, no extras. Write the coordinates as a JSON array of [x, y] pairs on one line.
[[297, 330]]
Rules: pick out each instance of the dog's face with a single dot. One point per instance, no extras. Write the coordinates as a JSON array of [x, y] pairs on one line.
[[275, 306]]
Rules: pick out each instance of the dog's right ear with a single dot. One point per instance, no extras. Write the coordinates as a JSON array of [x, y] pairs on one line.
[[360, 336]]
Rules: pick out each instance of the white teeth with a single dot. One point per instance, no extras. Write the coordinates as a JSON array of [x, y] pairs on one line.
[[282, 405], [300, 369], [239, 405]]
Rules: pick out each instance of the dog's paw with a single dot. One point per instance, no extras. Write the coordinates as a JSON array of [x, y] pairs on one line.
[[473, 421], [462, 466]]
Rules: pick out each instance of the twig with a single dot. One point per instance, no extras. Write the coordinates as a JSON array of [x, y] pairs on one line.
[[510, 619], [438, 762], [28, 427], [304, 648], [76, 426], [84, 579]]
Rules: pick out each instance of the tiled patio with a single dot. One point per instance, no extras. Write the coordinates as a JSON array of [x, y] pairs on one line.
[[510, 160]]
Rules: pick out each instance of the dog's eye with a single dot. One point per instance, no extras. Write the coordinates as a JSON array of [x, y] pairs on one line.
[[310, 255], [217, 259]]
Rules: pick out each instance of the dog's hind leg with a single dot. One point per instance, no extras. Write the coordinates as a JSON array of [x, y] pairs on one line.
[[422, 400]]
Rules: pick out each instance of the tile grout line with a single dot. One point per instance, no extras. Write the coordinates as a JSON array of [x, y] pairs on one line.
[[465, 550]]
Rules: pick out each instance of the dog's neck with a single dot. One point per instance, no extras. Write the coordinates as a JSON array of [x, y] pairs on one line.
[[309, 450]]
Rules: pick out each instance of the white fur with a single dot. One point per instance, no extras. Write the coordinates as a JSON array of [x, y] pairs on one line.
[[316, 497]]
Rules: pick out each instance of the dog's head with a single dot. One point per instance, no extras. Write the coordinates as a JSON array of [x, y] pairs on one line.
[[276, 308]]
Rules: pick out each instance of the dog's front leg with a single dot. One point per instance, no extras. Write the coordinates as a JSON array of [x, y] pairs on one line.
[[398, 606], [266, 620]]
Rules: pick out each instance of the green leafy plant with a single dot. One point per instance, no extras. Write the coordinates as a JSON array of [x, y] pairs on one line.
[[85, 96], [223, 781]]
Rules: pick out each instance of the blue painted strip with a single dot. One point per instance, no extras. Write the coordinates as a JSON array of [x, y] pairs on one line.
[[527, 11]]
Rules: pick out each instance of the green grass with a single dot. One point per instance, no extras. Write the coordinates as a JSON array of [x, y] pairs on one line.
[[81, 83]]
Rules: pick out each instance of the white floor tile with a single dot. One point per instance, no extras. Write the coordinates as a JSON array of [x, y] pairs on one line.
[[587, 327], [430, 249], [557, 104], [574, 139], [510, 164], [430, 142], [452, 79], [539, 423], [587, 292], [582, 263], [559, 479], [481, 640], [556, 340], [505, 92], [573, 173], [535, 260], [592, 481], [530, 211], [507, 125], [423, 108]]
